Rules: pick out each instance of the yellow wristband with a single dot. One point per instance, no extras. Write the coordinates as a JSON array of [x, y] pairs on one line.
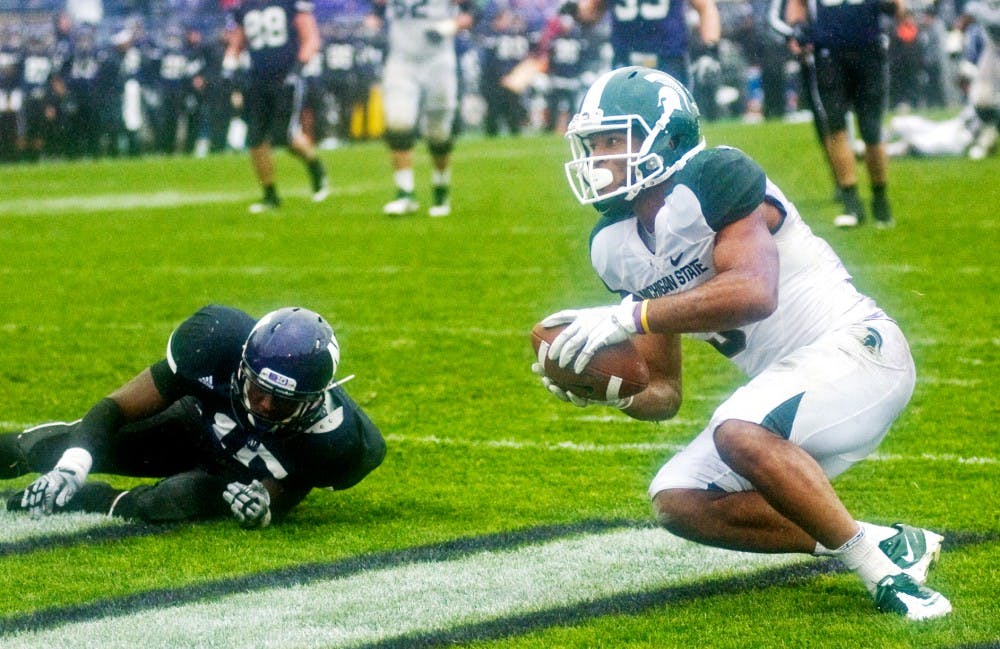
[[640, 316]]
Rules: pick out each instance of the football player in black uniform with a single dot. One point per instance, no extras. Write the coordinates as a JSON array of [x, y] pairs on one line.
[[242, 418], [850, 52], [281, 36]]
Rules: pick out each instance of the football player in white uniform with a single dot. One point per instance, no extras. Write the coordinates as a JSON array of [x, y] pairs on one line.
[[984, 92], [699, 241], [420, 80]]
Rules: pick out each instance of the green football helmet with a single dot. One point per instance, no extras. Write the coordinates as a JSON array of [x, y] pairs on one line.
[[662, 130]]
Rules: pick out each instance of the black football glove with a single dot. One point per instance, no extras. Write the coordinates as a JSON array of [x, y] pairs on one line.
[[569, 8]]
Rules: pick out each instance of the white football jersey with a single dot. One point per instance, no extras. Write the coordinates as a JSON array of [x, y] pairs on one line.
[[815, 293], [409, 22]]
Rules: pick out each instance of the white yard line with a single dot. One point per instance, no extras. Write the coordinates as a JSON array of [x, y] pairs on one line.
[[429, 597], [642, 447], [122, 202]]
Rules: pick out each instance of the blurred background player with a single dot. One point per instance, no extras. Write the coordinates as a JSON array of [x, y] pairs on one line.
[[850, 54], [655, 34], [568, 50], [281, 36], [984, 90], [242, 418], [504, 43], [420, 87]]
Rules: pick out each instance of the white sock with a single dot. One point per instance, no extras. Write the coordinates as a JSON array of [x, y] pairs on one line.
[[441, 178], [404, 179], [877, 532], [862, 555]]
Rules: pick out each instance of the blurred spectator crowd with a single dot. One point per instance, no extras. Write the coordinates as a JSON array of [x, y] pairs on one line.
[[93, 78]]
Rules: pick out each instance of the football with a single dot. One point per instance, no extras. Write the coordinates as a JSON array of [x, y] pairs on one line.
[[615, 372]]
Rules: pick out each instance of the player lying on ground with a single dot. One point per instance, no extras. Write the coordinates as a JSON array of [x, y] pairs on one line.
[[700, 241], [242, 418]]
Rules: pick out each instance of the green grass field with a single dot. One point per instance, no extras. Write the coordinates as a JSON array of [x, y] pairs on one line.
[[501, 517]]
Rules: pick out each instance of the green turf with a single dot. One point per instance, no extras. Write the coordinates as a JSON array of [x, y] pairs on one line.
[[102, 259]]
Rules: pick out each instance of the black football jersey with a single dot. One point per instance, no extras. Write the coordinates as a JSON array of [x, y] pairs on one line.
[[271, 37], [338, 446]]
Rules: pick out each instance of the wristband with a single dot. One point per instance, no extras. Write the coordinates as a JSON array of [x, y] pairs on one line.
[[78, 460], [640, 317], [446, 28]]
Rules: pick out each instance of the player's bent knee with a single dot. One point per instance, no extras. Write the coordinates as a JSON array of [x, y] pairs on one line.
[[672, 509]]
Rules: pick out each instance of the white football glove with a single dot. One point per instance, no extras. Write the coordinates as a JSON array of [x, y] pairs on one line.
[[569, 397], [440, 31], [706, 71], [294, 75], [589, 330], [55, 488], [250, 503]]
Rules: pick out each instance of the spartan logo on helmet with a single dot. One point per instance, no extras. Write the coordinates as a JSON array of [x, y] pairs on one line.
[[662, 131]]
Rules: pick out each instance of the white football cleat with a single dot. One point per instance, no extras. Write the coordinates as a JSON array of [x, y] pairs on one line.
[[901, 595], [322, 192], [439, 210], [913, 549], [266, 205], [404, 204], [846, 221], [441, 206], [985, 142]]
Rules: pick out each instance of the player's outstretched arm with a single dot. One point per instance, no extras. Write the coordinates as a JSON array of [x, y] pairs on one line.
[[135, 400]]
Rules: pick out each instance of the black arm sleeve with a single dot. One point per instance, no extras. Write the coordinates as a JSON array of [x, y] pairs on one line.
[[95, 428]]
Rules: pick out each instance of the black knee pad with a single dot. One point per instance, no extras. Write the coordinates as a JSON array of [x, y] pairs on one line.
[[440, 148], [400, 140]]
